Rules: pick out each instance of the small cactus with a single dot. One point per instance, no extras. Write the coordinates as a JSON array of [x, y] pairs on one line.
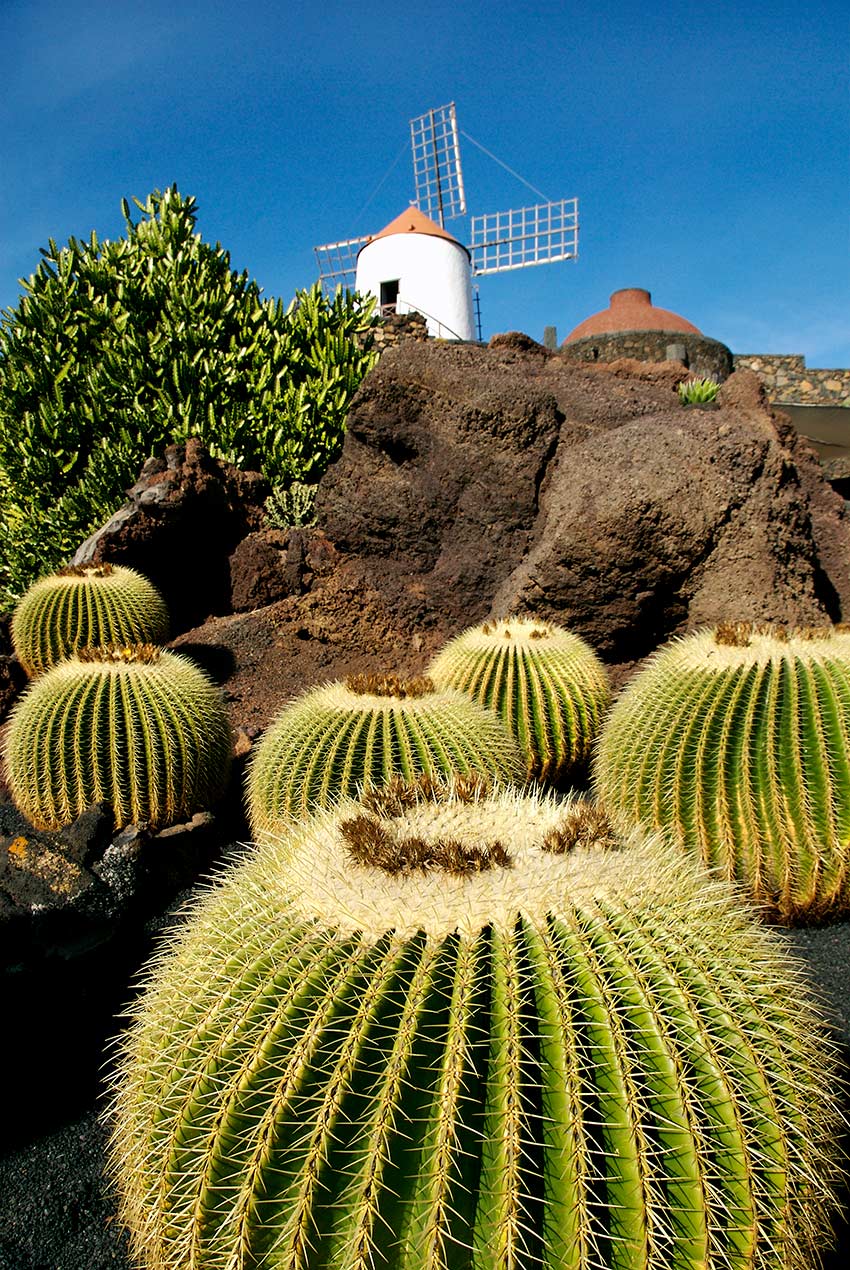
[[736, 742], [462, 1030], [697, 391], [546, 685], [340, 737], [137, 727], [83, 606]]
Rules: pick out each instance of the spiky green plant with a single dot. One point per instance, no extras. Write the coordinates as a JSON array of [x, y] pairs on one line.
[[291, 507], [547, 686], [698, 391], [471, 1032], [340, 737], [736, 742], [137, 727], [83, 606]]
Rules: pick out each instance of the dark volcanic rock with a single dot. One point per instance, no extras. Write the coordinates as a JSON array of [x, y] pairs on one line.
[[268, 565], [507, 479], [186, 514]]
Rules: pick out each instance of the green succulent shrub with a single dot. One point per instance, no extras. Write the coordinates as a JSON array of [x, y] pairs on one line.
[[546, 685], [333, 740], [82, 606], [469, 1031], [137, 727], [119, 348], [736, 742], [291, 507], [697, 391]]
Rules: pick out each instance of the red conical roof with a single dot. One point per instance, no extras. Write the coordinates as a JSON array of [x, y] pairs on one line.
[[631, 310], [412, 221]]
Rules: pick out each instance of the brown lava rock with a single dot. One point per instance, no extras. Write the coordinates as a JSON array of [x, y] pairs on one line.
[[508, 479], [187, 513]]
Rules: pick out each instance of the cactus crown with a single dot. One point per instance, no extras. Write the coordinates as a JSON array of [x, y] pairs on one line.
[[85, 606], [736, 743], [378, 685], [103, 570], [443, 856], [746, 634], [547, 686], [121, 654]]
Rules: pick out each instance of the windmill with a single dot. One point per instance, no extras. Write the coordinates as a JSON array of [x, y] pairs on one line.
[[415, 265]]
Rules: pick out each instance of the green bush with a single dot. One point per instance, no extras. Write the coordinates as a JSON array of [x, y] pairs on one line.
[[118, 349]]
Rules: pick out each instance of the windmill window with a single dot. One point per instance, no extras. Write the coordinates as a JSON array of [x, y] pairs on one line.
[[389, 296]]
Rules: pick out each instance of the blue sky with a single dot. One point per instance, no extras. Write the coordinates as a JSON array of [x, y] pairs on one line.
[[709, 146]]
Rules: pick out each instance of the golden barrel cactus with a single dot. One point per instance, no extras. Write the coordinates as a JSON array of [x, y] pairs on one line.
[[137, 727], [452, 1030], [736, 743], [83, 606], [547, 686], [341, 737]]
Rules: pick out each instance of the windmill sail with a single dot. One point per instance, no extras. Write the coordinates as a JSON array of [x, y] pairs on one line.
[[436, 164], [338, 263], [524, 236]]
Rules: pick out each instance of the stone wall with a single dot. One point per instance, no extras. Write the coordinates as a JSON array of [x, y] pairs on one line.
[[786, 379], [397, 327], [700, 354]]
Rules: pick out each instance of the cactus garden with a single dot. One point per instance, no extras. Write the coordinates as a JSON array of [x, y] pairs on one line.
[[434, 993]]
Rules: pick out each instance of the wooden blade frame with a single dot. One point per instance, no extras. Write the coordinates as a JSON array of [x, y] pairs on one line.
[[436, 164], [338, 263], [524, 236]]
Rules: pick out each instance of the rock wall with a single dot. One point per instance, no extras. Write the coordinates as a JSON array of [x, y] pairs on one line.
[[475, 482], [786, 379], [701, 355]]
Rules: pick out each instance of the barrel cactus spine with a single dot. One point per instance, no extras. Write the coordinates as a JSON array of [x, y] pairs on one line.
[[553, 1057], [546, 684], [736, 743], [134, 726], [342, 736], [84, 606]]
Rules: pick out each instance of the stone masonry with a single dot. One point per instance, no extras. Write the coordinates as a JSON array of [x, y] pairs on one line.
[[786, 379]]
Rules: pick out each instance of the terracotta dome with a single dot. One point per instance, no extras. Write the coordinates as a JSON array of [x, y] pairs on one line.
[[631, 310]]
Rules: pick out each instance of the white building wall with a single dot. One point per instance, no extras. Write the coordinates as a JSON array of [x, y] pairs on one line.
[[434, 276]]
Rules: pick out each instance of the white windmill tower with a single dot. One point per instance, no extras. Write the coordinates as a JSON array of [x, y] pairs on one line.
[[414, 264]]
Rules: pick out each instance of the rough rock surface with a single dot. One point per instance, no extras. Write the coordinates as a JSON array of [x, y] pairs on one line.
[[186, 514], [506, 479], [268, 565]]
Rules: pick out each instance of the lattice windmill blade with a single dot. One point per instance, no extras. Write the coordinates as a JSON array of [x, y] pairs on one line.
[[338, 263], [437, 172], [523, 236]]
